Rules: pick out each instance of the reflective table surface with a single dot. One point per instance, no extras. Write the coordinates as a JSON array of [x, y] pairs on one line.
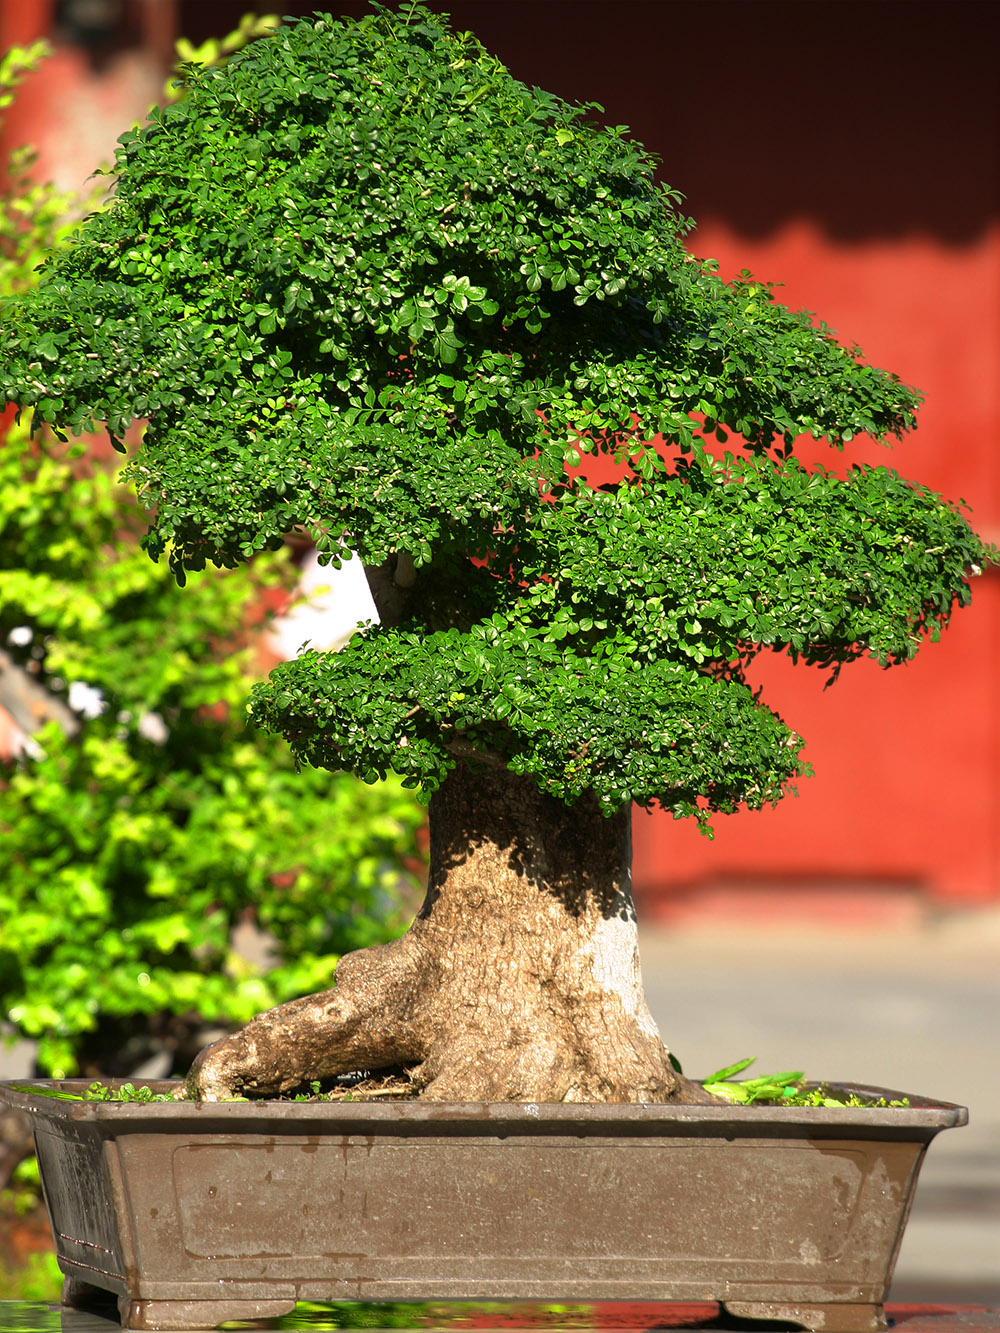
[[644, 1317]]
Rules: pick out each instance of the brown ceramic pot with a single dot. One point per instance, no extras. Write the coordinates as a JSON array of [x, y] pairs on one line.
[[193, 1214]]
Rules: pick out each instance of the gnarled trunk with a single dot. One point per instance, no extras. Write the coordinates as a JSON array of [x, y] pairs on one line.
[[518, 980]]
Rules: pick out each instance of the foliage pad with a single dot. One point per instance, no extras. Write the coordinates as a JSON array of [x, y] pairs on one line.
[[363, 282]]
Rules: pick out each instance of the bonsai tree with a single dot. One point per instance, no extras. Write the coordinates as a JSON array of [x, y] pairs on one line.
[[365, 284]]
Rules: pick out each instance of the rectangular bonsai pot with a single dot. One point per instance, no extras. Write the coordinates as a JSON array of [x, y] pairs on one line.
[[193, 1214]]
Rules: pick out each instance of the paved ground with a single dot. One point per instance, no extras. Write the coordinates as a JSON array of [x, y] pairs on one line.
[[914, 1008]]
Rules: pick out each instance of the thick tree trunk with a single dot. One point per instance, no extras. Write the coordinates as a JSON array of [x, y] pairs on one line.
[[518, 980]]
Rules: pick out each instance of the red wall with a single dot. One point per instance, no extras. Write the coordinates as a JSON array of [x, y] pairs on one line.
[[851, 151]]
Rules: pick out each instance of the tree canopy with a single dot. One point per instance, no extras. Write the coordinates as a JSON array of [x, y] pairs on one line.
[[364, 283]]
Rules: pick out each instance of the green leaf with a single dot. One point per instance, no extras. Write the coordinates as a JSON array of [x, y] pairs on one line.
[[730, 1071]]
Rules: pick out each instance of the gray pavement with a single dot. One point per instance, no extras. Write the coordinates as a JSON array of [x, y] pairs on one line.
[[915, 1009]]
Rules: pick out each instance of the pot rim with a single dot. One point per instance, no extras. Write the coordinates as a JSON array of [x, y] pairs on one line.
[[37, 1096]]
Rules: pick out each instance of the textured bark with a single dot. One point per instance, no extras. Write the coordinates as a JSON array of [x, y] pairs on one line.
[[518, 980]]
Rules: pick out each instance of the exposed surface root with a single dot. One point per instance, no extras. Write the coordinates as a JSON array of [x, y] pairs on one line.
[[400, 1009]]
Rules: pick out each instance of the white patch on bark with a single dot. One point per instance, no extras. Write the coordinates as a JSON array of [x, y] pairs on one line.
[[614, 963]]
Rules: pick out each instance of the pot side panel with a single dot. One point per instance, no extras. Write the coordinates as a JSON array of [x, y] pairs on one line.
[[357, 1210], [80, 1200]]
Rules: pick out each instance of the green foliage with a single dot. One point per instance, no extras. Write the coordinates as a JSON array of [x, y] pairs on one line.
[[130, 849], [217, 50], [22, 1193], [97, 1092], [127, 1092], [33, 217], [788, 1088], [365, 283], [764, 1088], [39, 1278]]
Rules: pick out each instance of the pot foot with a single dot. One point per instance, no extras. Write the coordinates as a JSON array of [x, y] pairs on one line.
[[166, 1315], [830, 1317]]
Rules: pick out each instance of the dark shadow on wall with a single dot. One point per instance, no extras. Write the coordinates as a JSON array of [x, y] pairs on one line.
[[875, 118]]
